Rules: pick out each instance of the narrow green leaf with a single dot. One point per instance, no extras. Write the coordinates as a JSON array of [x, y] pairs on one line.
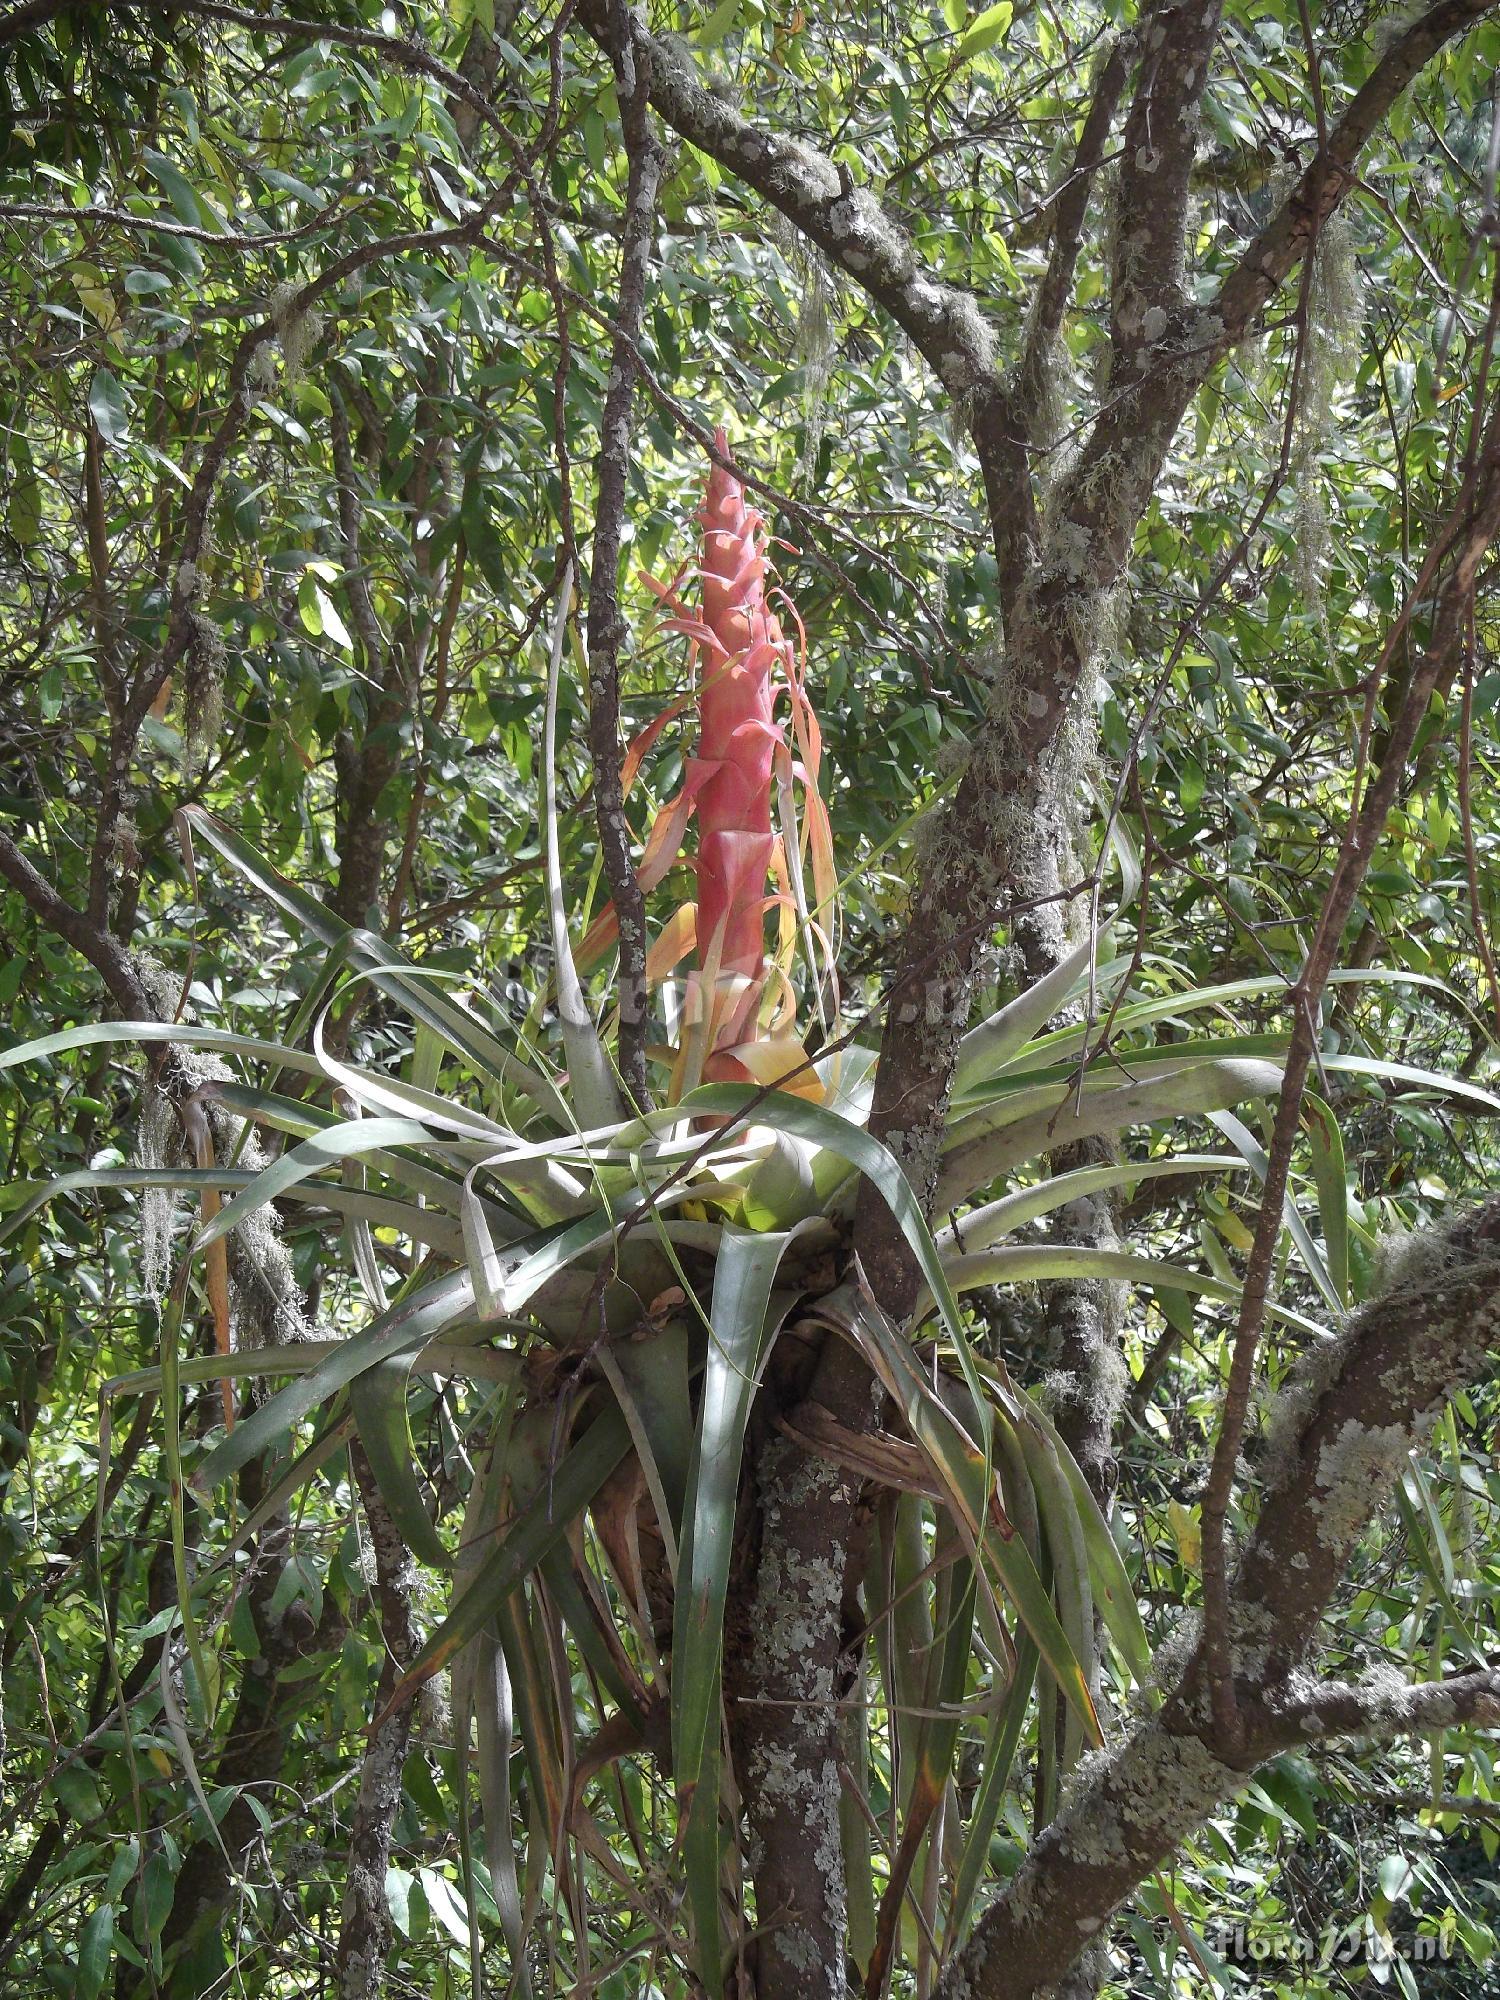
[[1442, 1084], [593, 1085], [1001, 1740], [437, 1357], [348, 1139], [654, 1371], [594, 1636], [405, 1329], [182, 1744], [384, 968], [986, 1049], [95, 1951], [190, 207], [969, 1483], [542, 1522], [1020, 1263], [1065, 1044], [1057, 1508], [1428, 1541], [1113, 1590], [100, 1034], [982, 1226], [374, 1090], [378, 1398], [928, 1756], [738, 1344], [983, 1155], [1238, 1134], [423, 1225], [481, 1690], [1326, 1144], [486, 1269]]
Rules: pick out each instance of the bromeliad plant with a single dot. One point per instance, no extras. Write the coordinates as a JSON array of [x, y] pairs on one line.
[[586, 1303]]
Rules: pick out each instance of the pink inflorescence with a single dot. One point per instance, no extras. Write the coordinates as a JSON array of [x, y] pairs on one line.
[[745, 764], [738, 742]]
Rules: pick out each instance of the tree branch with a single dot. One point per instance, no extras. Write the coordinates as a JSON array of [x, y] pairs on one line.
[[1339, 1433], [1385, 1706], [1068, 215], [1278, 247], [606, 627], [853, 230], [847, 223], [101, 948], [1161, 135], [1470, 528]]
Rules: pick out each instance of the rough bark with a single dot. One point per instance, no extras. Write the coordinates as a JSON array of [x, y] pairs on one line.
[[365, 1927], [1083, 1316], [365, 759], [785, 1732]]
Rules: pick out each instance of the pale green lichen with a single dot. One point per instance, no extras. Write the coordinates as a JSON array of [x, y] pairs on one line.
[[794, 1645], [782, 1783], [798, 168], [1088, 1824], [1330, 347], [156, 1138], [798, 1597], [814, 348], [1252, 1629], [202, 690], [1413, 1257], [814, 343], [797, 1947], [1167, 1784], [1171, 1657], [1124, 1806], [1290, 1411], [1355, 1471], [265, 1300], [298, 328], [434, 1709]]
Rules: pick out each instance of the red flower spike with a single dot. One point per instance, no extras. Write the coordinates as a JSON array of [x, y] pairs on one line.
[[737, 738], [739, 783]]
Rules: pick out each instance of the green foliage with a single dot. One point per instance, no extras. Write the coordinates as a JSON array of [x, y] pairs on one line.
[[362, 588]]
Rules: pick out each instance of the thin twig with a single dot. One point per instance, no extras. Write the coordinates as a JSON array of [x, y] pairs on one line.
[[606, 626]]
